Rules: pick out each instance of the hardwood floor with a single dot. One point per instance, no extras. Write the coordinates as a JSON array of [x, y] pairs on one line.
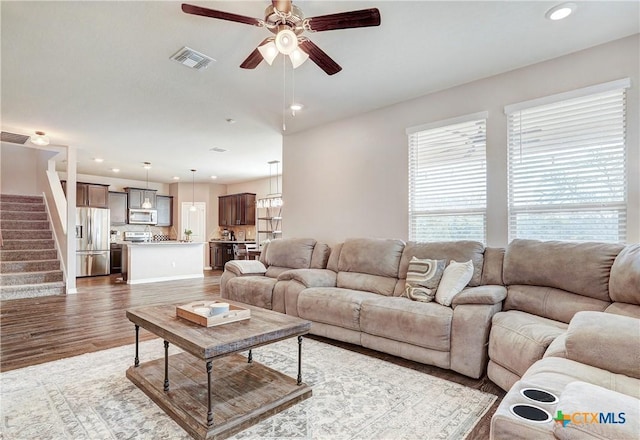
[[39, 330]]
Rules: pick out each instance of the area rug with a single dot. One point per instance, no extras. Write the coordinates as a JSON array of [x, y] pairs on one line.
[[354, 397]]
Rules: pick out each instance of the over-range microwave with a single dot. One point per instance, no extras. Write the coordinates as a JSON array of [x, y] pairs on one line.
[[143, 216]]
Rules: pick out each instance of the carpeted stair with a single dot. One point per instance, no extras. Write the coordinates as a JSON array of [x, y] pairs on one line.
[[29, 264]]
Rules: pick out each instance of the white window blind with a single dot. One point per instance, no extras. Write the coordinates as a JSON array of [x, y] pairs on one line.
[[567, 178], [447, 181]]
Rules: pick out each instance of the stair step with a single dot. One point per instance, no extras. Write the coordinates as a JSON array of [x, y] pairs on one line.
[[7, 267], [31, 290], [11, 245], [15, 198], [23, 234], [23, 224], [23, 207], [19, 279], [27, 255], [24, 215]]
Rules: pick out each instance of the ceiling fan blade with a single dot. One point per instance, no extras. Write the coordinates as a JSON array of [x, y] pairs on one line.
[[254, 57], [212, 13], [282, 5], [319, 57], [345, 20]]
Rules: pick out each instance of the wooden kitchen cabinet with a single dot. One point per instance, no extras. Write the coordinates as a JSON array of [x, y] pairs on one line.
[[136, 197], [118, 208], [237, 209], [164, 205], [93, 195], [220, 253]]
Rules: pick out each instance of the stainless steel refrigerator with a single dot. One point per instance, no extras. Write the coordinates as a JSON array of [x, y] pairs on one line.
[[92, 242]]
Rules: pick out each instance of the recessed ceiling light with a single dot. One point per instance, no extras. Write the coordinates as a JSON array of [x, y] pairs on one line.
[[146, 165], [115, 170], [98, 159], [214, 177], [296, 107], [217, 149], [561, 11], [176, 178], [230, 121]]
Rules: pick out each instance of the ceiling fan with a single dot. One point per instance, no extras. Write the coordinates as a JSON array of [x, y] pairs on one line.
[[288, 23]]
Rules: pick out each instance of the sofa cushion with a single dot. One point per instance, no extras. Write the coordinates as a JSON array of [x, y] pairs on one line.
[[551, 303], [624, 285], [555, 373], [370, 265], [519, 339], [423, 324], [333, 305], [423, 277], [624, 309], [607, 341], [492, 266], [447, 250], [294, 253], [455, 278], [334, 257], [320, 256], [581, 268], [584, 398], [254, 290], [371, 256]]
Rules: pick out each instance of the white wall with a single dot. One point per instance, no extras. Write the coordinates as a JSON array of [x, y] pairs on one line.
[[349, 178], [22, 169]]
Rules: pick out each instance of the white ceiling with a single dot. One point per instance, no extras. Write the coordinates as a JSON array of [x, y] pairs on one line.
[[97, 75]]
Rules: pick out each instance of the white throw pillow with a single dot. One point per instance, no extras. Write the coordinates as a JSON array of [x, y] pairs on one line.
[[456, 276]]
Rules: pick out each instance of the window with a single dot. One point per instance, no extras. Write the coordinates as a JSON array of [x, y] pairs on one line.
[[566, 171], [447, 180]]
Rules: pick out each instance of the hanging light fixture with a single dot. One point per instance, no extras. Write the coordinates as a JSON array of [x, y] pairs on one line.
[[192, 208], [147, 203], [273, 199], [40, 139], [269, 51]]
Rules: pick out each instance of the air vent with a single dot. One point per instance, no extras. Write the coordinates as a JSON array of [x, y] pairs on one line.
[[14, 138], [192, 59]]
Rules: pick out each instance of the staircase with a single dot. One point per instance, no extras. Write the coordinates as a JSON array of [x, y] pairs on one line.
[[29, 265]]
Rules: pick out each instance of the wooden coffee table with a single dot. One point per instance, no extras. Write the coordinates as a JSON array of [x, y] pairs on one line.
[[214, 400]]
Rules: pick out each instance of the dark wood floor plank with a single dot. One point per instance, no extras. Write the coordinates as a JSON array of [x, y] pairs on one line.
[[39, 330]]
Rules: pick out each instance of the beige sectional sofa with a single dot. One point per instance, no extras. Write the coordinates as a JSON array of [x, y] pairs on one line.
[[558, 316], [547, 284], [357, 299], [592, 367]]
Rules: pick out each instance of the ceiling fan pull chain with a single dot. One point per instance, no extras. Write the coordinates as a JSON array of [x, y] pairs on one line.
[[284, 93]]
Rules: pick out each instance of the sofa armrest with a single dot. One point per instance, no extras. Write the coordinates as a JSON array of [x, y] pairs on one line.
[[606, 341], [310, 277], [489, 294], [245, 267], [584, 398]]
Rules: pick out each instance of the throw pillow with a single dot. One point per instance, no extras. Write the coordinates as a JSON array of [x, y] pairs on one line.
[[423, 277], [455, 278]]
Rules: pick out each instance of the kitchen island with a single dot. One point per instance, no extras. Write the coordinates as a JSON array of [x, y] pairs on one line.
[[150, 262]]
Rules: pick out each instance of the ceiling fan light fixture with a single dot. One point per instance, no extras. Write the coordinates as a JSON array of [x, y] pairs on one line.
[[286, 41], [40, 139], [268, 51], [298, 57]]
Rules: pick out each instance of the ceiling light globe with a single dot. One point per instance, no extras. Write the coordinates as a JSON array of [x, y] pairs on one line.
[[40, 139], [286, 41]]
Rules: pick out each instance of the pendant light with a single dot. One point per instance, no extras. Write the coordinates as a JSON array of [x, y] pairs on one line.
[[147, 203], [193, 191]]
